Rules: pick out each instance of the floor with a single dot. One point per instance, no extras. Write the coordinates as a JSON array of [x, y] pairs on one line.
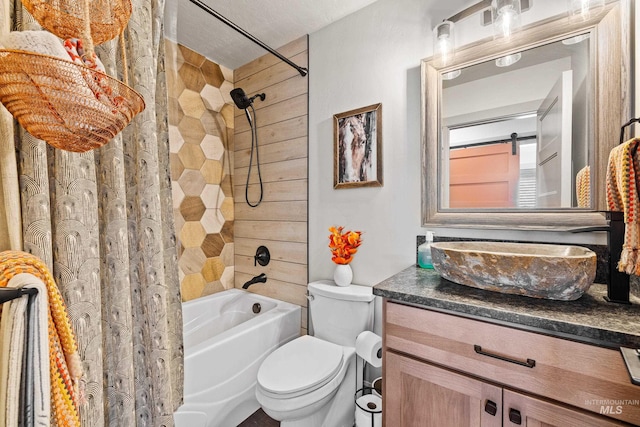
[[259, 419]]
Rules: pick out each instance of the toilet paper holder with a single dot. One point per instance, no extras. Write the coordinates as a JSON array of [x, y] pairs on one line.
[[369, 348], [368, 412]]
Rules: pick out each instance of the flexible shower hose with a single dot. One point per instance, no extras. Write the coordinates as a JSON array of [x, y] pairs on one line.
[[254, 143]]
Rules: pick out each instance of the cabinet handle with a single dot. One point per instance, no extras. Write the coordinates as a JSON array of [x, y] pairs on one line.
[[530, 363], [515, 416], [491, 408]]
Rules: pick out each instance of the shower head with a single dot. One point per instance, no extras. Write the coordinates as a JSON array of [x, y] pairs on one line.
[[241, 100]]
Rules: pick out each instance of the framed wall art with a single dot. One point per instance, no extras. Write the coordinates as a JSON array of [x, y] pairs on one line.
[[357, 148]]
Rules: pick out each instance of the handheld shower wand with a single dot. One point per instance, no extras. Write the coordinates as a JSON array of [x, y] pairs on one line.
[[243, 102]]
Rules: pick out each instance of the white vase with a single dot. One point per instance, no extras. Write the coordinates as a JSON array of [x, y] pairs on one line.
[[343, 275]]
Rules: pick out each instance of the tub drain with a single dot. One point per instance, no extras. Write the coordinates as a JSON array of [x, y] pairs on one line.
[[256, 308]]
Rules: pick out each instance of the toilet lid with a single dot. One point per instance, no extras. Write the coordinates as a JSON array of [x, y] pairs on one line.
[[305, 363]]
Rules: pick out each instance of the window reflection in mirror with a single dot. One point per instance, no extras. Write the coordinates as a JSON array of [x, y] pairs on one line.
[[517, 130]]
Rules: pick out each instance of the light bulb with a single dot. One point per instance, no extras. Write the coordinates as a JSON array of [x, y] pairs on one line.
[[506, 17], [445, 49], [444, 43], [585, 9]]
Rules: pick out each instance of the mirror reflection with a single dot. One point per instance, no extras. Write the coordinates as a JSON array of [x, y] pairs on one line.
[[516, 131]]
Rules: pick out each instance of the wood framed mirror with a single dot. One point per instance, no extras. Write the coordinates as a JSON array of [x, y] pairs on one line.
[[599, 92]]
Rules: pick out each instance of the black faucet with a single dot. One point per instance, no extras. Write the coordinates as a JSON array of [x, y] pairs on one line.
[[261, 278], [617, 282]]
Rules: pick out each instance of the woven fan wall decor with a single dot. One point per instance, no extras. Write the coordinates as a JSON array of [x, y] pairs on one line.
[[69, 105]]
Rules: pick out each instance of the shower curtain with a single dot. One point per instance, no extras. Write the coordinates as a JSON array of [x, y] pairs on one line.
[[10, 223], [103, 223]]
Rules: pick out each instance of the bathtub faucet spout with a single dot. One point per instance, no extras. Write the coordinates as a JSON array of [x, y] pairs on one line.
[[261, 278]]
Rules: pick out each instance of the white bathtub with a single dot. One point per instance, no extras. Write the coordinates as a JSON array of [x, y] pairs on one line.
[[224, 345]]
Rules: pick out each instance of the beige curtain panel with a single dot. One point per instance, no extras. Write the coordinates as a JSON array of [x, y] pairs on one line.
[[103, 223], [10, 221]]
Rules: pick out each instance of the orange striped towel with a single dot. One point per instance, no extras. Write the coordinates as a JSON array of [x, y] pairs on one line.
[[65, 363], [583, 187], [623, 183]]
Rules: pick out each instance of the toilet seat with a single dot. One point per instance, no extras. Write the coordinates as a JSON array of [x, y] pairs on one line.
[[300, 367]]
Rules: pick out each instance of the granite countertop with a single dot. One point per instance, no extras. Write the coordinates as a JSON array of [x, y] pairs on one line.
[[589, 319]]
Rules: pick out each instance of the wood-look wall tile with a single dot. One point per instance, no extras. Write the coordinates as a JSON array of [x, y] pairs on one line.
[[192, 208], [191, 130], [192, 234], [192, 286], [213, 269], [191, 56], [212, 171], [192, 77], [212, 245], [212, 73], [199, 142], [191, 103], [192, 182], [280, 221]]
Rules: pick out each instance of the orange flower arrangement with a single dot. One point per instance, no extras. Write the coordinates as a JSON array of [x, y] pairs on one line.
[[343, 245]]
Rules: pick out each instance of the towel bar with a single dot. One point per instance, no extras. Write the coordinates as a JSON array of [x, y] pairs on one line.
[[8, 294]]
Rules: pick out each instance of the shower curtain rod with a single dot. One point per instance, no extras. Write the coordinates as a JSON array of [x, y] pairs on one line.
[[303, 71]]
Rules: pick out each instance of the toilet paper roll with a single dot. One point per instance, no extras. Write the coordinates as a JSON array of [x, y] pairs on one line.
[[373, 404], [369, 347], [377, 386]]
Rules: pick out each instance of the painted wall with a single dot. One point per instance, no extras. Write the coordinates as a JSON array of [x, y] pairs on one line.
[[368, 57], [200, 134], [374, 56]]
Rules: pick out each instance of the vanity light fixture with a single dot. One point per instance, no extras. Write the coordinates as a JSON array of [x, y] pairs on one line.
[[585, 9], [503, 14], [508, 60], [506, 17]]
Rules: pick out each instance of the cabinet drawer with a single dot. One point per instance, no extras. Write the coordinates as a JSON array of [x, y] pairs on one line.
[[586, 376]]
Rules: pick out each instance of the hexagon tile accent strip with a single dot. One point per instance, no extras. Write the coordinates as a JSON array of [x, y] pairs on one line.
[[200, 153]]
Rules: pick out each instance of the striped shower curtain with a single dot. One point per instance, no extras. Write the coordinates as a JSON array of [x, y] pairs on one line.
[[103, 223]]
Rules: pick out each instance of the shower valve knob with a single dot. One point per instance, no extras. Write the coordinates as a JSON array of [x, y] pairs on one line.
[[262, 256]]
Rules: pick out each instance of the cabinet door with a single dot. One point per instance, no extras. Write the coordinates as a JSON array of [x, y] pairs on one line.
[[422, 395], [521, 410]]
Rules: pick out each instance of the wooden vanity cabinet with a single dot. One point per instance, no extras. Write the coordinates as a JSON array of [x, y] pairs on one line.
[[418, 394], [444, 370]]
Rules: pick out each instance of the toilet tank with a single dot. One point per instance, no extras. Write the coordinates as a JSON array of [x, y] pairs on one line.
[[339, 313]]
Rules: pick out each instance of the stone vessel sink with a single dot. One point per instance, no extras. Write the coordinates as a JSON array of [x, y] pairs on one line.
[[536, 270]]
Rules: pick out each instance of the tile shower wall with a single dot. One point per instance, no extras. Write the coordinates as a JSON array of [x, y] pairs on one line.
[[280, 221], [201, 146]]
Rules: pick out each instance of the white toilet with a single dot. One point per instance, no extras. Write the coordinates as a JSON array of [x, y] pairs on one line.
[[311, 381]]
